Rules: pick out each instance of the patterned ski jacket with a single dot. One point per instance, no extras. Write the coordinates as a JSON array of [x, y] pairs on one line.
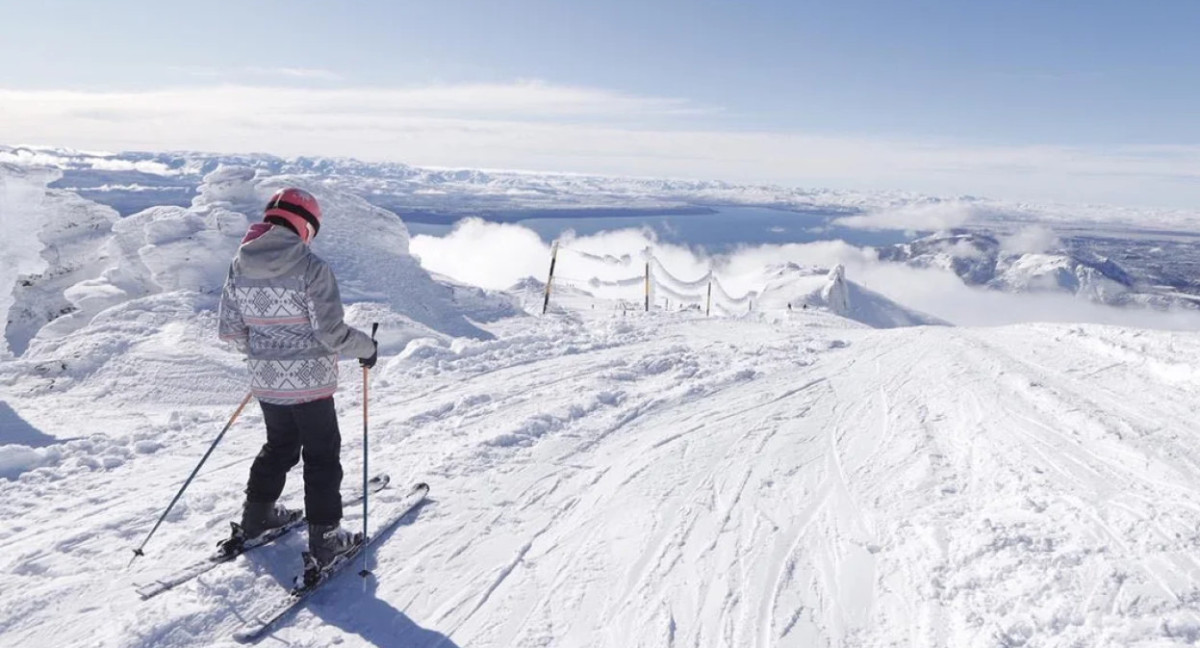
[[281, 307]]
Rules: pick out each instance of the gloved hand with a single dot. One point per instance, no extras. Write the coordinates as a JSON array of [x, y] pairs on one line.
[[370, 362]]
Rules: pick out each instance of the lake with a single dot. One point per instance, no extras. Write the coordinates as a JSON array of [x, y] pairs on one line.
[[720, 231]]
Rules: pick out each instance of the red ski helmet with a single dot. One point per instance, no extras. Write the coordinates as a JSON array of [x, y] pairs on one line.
[[299, 209]]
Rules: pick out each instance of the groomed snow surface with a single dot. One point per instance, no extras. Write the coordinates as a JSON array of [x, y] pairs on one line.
[[608, 479]]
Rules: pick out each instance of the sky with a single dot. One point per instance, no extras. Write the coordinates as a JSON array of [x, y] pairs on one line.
[[1043, 101]]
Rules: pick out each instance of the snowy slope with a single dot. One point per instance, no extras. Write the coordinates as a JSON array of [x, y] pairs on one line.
[[600, 478], [662, 479], [795, 288]]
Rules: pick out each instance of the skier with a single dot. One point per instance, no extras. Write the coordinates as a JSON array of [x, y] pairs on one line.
[[281, 307]]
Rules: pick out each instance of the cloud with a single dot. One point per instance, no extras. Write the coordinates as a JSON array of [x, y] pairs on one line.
[[295, 73], [489, 255], [1034, 239], [496, 256], [928, 216], [540, 126]]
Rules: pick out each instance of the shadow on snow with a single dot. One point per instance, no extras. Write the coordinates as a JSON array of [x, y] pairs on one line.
[[344, 603], [16, 430]]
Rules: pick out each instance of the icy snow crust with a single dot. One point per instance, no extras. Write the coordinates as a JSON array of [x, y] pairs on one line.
[[600, 478]]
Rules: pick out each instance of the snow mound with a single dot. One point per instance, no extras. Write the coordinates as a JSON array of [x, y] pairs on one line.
[[798, 288]]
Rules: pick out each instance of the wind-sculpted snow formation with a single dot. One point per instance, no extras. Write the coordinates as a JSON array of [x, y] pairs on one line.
[[103, 306], [23, 200], [94, 261]]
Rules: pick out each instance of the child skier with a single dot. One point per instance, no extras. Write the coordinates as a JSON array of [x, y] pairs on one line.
[[281, 307]]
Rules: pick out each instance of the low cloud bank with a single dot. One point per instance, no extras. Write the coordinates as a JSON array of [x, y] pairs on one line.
[[497, 256], [540, 125], [1034, 239], [927, 216]]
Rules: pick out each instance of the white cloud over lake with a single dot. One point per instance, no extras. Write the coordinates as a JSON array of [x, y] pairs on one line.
[[494, 255]]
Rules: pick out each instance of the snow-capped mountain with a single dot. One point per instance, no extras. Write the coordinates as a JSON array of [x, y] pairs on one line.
[[981, 259]]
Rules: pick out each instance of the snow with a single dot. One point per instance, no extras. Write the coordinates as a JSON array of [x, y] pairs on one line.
[[621, 479], [841, 475], [795, 288], [22, 198], [1032, 261]]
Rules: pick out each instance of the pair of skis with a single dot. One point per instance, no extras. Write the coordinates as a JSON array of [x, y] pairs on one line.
[[259, 623], [221, 556]]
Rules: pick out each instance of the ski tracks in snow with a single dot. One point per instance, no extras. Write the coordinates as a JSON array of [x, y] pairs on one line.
[[675, 481]]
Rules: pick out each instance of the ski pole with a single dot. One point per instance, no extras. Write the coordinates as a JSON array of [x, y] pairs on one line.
[[366, 490], [137, 553]]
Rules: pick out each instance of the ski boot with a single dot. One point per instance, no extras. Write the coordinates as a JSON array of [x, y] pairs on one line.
[[258, 519], [326, 544]]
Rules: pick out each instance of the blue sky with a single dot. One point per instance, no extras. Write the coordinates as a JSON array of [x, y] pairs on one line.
[[1075, 101]]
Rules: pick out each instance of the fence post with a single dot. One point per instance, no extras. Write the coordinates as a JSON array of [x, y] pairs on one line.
[[550, 279], [647, 286], [708, 303]]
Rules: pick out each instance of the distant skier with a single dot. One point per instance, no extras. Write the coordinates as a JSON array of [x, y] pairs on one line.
[[281, 307]]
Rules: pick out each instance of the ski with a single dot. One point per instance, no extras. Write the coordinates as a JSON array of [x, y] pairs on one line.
[[158, 586], [258, 624]]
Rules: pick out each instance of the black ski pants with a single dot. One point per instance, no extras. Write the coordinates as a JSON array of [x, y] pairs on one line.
[[309, 430]]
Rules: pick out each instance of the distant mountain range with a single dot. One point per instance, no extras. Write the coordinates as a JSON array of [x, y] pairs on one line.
[[132, 181], [982, 260]]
